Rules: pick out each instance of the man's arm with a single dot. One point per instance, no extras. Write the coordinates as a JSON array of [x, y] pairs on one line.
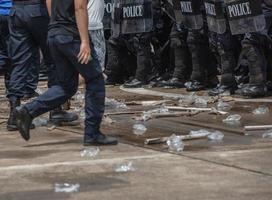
[[82, 24], [48, 3]]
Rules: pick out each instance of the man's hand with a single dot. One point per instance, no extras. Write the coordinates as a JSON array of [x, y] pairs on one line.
[[84, 55], [82, 24]]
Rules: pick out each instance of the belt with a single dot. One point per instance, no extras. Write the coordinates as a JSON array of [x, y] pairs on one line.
[[28, 2]]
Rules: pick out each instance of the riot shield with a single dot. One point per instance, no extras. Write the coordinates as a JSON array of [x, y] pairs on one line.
[[107, 14], [191, 14], [132, 16], [215, 16], [245, 16]]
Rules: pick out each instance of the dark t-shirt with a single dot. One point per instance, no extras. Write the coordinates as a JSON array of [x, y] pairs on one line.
[[63, 20]]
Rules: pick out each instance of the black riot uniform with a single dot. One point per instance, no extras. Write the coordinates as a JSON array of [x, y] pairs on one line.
[[254, 21], [181, 54], [223, 45], [204, 73]]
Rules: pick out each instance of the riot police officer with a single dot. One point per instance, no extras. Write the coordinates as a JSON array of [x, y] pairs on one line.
[[222, 44], [204, 73], [28, 31], [253, 19], [179, 47]]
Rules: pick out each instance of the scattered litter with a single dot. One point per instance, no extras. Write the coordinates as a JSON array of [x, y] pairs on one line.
[[90, 152], [66, 187], [261, 110], [223, 106], [232, 119], [147, 103], [127, 167], [216, 136], [201, 132], [162, 109], [52, 128], [217, 112], [108, 120], [79, 97], [268, 134], [40, 122], [139, 129], [201, 102], [82, 114], [114, 104], [188, 100], [175, 143]]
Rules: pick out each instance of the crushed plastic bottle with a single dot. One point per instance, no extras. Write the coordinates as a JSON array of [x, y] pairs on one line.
[[268, 134], [232, 119], [91, 152], [114, 104], [40, 122], [223, 106], [139, 129], [66, 187], [162, 109], [261, 110], [82, 114], [80, 97], [216, 136], [201, 132], [188, 100], [201, 102], [127, 167], [175, 143]]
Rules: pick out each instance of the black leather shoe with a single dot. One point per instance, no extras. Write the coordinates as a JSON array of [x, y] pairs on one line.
[[11, 124], [31, 95], [23, 121], [195, 86], [254, 90], [222, 89], [101, 139], [174, 83], [135, 83], [58, 116]]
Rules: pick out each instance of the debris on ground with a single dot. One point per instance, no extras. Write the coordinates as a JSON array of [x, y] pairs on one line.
[[139, 129], [52, 128], [201, 102], [201, 132], [261, 110], [175, 143], [268, 134], [147, 103], [40, 122], [127, 167], [216, 136], [114, 104], [107, 120], [66, 187], [90, 152], [223, 106], [232, 119]]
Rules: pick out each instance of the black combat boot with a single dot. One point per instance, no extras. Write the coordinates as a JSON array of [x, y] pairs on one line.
[[174, 83], [11, 124], [222, 89], [58, 116], [135, 83]]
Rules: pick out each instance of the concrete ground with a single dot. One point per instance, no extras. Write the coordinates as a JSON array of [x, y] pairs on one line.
[[238, 169]]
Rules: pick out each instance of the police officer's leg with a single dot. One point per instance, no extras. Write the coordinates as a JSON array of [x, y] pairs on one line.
[[182, 56], [113, 68], [199, 49], [253, 49], [226, 49], [143, 49]]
